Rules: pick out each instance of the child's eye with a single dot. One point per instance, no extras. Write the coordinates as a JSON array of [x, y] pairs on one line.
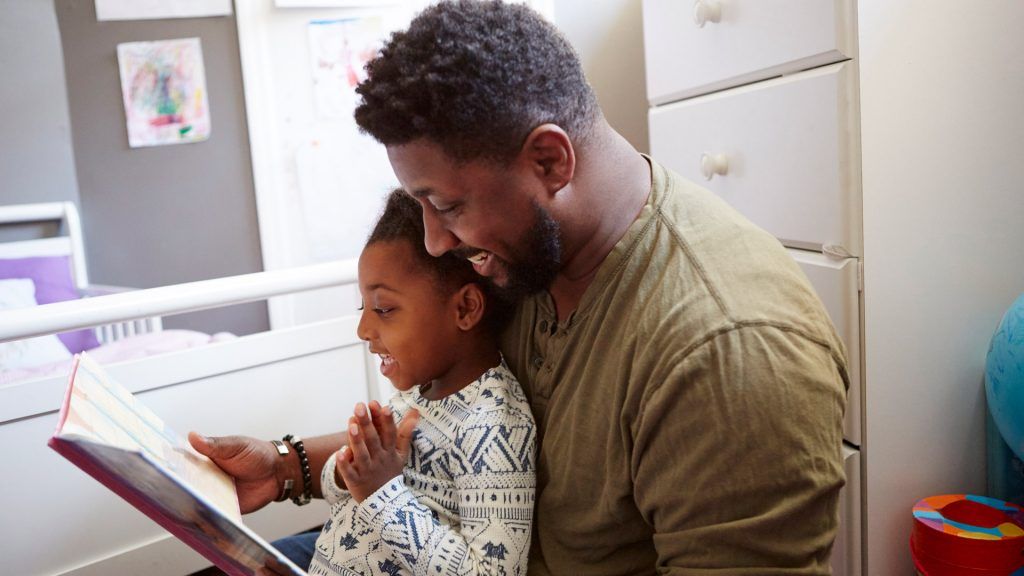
[[383, 311], [360, 309]]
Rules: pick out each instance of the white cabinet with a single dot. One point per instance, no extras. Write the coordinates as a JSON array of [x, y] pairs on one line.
[[758, 101], [698, 47], [846, 558], [837, 282], [785, 156], [938, 123]]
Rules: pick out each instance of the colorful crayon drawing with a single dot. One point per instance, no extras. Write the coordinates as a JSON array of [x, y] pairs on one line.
[[163, 84], [339, 49], [342, 174]]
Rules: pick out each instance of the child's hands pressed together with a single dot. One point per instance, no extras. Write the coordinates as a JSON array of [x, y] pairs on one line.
[[377, 449]]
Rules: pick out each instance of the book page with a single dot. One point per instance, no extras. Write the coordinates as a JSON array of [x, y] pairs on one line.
[[103, 411]]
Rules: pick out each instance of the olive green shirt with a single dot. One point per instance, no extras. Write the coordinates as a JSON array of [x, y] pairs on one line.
[[690, 410]]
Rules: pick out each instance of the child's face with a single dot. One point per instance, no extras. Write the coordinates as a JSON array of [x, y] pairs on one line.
[[406, 320]]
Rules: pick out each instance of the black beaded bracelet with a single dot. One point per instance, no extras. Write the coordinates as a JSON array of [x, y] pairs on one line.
[[307, 477]]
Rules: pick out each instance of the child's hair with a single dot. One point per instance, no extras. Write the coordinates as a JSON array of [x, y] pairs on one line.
[[402, 220]]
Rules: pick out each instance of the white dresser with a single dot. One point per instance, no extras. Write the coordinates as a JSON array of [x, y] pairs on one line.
[[757, 100]]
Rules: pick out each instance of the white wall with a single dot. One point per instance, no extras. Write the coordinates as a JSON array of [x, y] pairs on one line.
[[942, 133], [608, 35]]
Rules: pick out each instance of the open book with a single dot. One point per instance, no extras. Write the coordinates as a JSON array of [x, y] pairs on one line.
[[109, 434]]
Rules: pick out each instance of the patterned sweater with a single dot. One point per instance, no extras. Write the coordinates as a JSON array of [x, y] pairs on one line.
[[464, 503]]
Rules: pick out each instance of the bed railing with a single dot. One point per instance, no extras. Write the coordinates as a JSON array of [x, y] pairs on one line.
[[299, 378], [168, 300], [61, 212]]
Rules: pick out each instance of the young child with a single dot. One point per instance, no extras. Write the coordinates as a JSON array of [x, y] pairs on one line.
[[450, 489]]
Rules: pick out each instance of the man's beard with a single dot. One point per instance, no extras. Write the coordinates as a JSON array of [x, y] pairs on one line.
[[540, 262]]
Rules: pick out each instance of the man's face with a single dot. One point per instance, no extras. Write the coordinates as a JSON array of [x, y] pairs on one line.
[[488, 213]]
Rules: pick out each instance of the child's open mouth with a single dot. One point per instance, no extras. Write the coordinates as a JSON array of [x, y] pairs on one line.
[[387, 364]]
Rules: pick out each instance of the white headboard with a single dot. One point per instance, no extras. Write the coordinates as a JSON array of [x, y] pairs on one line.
[[71, 244]]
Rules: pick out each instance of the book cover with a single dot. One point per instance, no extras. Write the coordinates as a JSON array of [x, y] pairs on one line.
[[104, 430]]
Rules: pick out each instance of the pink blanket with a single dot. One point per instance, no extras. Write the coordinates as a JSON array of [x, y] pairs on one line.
[[129, 348]]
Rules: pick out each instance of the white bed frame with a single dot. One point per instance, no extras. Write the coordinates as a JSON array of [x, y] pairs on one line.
[[305, 379], [71, 244]]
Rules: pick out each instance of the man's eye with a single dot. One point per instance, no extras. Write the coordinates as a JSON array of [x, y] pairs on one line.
[[446, 209]]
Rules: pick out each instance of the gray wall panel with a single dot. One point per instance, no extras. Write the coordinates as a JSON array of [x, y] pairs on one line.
[[166, 214]]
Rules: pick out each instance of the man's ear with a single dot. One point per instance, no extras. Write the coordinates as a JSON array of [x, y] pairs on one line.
[[470, 305], [550, 154]]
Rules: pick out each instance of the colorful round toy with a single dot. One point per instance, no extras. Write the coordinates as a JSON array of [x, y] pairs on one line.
[[967, 535]]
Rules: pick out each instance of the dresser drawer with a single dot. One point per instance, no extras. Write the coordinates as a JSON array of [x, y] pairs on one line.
[[846, 552], [752, 40], [788, 148], [838, 286]]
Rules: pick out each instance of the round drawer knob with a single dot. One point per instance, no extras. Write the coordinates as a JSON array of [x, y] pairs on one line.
[[711, 164], [705, 11]]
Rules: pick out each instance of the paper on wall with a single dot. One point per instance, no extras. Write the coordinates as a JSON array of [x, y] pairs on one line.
[[163, 85], [155, 9]]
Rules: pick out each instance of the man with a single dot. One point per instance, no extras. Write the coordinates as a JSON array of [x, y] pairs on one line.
[[687, 385]]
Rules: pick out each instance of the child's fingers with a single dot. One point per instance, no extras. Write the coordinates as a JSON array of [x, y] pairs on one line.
[[345, 453], [351, 422], [360, 456], [405, 432], [367, 429], [343, 466], [376, 415], [342, 455], [386, 428]]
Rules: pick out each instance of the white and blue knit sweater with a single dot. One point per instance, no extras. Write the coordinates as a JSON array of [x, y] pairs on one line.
[[464, 503]]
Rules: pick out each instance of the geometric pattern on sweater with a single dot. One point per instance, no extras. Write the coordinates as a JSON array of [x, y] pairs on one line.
[[464, 502]]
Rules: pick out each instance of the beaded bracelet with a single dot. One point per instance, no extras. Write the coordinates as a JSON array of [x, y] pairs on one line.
[[307, 477]]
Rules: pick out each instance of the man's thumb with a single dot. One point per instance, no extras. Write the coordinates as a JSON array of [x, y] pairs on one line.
[[202, 444]]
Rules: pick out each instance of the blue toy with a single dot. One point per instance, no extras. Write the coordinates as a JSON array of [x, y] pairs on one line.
[[1004, 390]]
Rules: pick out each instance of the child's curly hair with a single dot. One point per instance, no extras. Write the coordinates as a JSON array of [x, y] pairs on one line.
[[402, 221]]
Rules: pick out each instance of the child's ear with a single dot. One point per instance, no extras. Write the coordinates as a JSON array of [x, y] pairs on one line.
[[470, 306]]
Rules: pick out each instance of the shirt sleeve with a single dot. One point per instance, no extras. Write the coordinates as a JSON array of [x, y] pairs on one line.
[[332, 493], [493, 466], [737, 456]]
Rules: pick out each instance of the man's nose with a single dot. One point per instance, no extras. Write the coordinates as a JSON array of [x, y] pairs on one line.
[[436, 237]]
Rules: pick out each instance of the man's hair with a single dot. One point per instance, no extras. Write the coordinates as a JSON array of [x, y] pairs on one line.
[[402, 221], [475, 77]]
